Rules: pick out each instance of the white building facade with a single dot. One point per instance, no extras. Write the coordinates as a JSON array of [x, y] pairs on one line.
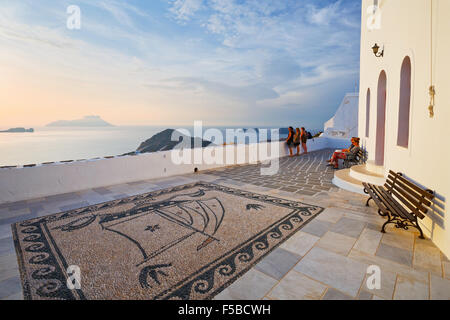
[[344, 124], [398, 127]]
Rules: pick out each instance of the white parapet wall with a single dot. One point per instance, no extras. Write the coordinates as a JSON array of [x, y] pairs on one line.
[[26, 183]]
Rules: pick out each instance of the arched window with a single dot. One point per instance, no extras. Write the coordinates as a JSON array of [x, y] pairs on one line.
[[405, 104], [367, 113], [381, 119]]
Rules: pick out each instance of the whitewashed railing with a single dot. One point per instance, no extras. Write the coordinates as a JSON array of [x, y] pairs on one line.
[[25, 183]]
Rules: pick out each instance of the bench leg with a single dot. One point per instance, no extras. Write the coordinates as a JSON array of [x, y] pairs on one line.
[[402, 224], [370, 198], [416, 225], [390, 220], [382, 214], [421, 233]]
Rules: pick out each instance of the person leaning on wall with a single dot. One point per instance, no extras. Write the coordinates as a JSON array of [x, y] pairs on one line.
[[290, 141], [304, 139]]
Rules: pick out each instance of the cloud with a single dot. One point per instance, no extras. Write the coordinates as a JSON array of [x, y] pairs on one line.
[[210, 56], [37, 35], [287, 45], [325, 15], [239, 22], [281, 69], [117, 12], [183, 10], [288, 99], [121, 11], [244, 93]]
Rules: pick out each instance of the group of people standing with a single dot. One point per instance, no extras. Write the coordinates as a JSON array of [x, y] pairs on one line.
[[295, 138], [299, 137]]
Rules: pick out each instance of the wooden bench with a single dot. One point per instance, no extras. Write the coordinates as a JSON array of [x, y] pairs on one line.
[[401, 201], [359, 159]]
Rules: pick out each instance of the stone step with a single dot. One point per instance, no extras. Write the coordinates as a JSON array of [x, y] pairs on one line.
[[362, 173], [344, 180], [372, 167]]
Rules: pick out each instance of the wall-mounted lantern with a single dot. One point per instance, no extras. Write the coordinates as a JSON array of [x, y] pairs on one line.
[[377, 52]]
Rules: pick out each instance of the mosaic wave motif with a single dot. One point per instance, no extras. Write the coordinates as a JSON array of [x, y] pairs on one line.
[[186, 242]]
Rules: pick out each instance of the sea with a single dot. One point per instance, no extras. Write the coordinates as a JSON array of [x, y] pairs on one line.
[[48, 144]]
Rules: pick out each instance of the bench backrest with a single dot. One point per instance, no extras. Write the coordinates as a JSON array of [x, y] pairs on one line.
[[409, 194], [360, 156]]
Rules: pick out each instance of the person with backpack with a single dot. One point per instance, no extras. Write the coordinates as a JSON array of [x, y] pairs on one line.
[[304, 138]]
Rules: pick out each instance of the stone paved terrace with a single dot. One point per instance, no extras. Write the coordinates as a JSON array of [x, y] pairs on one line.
[[327, 259], [309, 176]]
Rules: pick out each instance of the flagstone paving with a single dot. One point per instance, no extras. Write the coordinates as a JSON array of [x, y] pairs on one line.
[[327, 259], [304, 175]]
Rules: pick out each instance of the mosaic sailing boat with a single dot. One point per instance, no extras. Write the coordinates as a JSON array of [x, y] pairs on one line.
[[196, 216]]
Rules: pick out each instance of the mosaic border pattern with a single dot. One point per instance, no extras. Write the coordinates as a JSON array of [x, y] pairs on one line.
[[232, 264]]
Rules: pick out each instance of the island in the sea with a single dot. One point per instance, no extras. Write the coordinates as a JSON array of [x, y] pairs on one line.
[[17, 130], [162, 141], [87, 121]]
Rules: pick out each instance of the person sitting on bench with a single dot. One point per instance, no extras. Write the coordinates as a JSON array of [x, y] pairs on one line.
[[345, 154], [343, 150]]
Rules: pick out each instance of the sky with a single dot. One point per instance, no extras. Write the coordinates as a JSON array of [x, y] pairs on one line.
[[171, 62]]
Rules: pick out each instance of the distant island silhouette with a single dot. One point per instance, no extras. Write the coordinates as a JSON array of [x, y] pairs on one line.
[[17, 130], [87, 121]]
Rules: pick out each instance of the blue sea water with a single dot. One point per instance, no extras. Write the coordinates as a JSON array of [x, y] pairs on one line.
[[59, 144]]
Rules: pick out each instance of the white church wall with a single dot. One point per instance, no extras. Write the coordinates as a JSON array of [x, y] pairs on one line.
[[405, 30]]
